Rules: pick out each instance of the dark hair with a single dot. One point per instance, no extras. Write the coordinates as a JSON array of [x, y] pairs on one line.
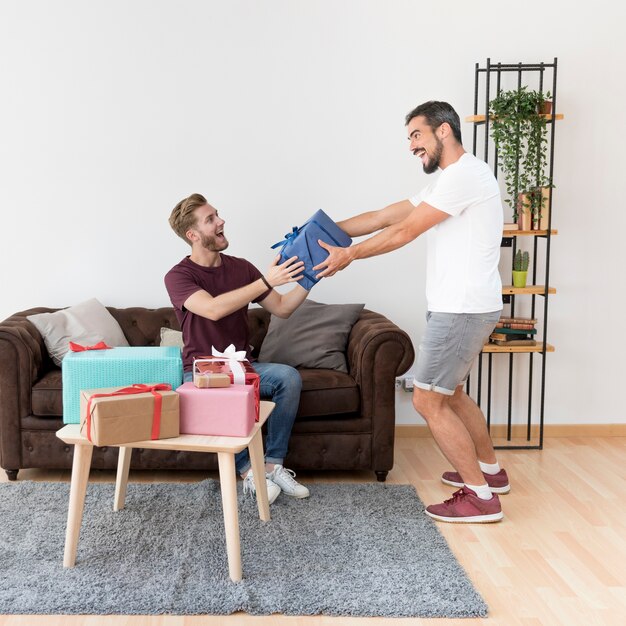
[[436, 113]]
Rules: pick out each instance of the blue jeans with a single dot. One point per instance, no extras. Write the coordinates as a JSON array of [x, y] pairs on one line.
[[280, 384]]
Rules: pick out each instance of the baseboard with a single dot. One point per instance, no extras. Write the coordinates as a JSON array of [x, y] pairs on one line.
[[518, 431]]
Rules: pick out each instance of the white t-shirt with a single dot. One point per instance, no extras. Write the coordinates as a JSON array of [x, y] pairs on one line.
[[464, 250]]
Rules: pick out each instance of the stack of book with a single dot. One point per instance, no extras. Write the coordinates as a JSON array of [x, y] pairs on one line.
[[514, 331]]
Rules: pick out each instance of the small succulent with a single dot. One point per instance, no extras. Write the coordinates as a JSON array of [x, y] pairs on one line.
[[520, 262]]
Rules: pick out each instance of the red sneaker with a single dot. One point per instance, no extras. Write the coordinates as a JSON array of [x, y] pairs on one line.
[[498, 483], [466, 506]]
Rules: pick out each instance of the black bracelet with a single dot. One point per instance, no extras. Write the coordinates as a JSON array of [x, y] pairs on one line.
[[265, 281]]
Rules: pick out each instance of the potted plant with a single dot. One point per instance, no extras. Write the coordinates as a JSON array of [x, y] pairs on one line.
[[533, 208], [520, 268], [520, 134]]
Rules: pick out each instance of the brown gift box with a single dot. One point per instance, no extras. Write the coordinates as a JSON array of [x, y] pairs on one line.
[[211, 380], [208, 374], [126, 418]]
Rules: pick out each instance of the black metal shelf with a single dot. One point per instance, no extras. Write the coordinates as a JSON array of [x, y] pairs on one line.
[[488, 83]]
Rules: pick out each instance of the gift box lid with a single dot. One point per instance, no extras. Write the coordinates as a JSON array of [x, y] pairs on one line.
[[216, 364], [87, 393], [134, 353]]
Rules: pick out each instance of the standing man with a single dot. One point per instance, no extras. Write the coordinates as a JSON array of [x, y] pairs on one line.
[[211, 292], [461, 212]]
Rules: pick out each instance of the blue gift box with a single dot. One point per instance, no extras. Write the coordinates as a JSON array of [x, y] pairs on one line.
[[117, 367], [302, 242]]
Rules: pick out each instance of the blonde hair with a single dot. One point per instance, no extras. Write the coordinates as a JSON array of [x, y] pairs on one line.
[[183, 215]]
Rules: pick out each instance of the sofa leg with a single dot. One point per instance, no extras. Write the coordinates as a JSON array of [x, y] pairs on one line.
[[381, 476], [12, 474]]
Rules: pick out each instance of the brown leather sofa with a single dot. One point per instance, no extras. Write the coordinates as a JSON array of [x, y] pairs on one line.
[[344, 422]]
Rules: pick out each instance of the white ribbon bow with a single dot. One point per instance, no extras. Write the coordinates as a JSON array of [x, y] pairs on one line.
[[230, 353], [233, 357]]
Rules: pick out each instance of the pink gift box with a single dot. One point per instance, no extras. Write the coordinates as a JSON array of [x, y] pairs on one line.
[[247, 374], [223, 411]]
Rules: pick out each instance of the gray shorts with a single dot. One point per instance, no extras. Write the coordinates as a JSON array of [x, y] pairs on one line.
[[448, 348]]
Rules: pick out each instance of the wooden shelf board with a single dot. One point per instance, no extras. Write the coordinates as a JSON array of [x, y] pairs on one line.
[[477, 119], [537, 233], [492, 347], [509, 290]]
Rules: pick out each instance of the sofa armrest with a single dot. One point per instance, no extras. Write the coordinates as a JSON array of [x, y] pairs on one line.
[[23, 357], [378, 351]]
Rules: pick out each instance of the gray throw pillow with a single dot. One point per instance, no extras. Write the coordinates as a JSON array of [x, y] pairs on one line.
[[86, 323], [170, 337], [315, 336]]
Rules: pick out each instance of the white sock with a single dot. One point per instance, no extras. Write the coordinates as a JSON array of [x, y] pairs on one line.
[[482, 491], [489, 468]]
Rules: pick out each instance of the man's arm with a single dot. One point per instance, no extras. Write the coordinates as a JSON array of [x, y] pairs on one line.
[[283, 305], [215, 308], [372, 221], [418, 221]]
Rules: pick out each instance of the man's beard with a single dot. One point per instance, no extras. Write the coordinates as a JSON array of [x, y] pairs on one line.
[[211, 243], [433, 163]]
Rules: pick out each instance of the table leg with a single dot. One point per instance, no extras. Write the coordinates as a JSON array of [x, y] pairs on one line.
[[121, 481], [228, 486], [78, 489], [257, 460]]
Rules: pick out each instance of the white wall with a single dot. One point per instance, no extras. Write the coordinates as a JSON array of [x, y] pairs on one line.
[[113, 111]]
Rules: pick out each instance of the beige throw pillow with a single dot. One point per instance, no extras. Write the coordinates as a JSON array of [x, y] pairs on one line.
[[86, 323], [170, 337]]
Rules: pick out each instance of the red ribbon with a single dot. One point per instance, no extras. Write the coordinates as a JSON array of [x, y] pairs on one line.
[[76, 347], [134, 389], [256, 383]]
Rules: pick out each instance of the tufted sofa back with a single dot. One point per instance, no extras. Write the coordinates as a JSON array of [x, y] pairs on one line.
[[142, 327]]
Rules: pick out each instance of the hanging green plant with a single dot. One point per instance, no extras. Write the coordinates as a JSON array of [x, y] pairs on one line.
[[520, 134]]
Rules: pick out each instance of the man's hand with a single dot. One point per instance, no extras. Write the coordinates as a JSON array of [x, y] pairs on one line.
[[337, 259], [288, 272]]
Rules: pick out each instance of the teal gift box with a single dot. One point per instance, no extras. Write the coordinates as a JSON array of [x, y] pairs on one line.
[[116, 367]]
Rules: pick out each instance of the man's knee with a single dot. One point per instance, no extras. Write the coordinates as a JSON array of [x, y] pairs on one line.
[[428, 403], [291, 377], [283, 378], [458, 397]]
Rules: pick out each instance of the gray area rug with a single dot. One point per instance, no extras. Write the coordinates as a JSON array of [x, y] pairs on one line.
[[349, 549]]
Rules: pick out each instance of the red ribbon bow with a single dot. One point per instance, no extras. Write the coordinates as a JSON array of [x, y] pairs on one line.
[[76, 347], [132, 390]]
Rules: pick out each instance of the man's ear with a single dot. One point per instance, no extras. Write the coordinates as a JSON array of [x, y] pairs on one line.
[[444, 130], [191, 235]]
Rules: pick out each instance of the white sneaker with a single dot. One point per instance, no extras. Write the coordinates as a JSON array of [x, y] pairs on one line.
[[284, 478], [272, 488]]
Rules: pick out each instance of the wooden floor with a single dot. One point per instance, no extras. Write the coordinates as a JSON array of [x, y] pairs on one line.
[[558, 557]]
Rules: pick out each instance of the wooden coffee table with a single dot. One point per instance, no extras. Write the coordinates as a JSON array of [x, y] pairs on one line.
[[225, 447]]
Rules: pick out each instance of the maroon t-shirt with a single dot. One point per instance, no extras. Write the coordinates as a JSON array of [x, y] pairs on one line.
[[200, 333]]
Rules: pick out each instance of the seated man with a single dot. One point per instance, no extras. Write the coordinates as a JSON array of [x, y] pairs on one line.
[[210, 292]]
